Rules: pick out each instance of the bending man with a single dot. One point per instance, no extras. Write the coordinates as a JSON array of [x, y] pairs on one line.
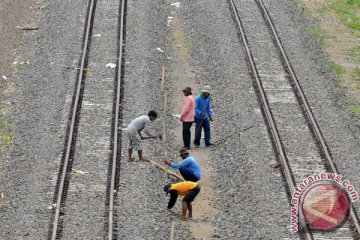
[[187, 188], [134, 132]]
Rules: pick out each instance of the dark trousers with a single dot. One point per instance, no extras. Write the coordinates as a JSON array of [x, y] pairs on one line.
[[199, 125], [191, 194], [186, 133], [188, 175]]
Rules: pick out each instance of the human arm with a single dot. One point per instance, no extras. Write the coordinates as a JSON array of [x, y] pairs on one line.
[[173, 197], [198, 110], [181, 164], [142, 137], [148, 133], [208, 110], [159, 136]]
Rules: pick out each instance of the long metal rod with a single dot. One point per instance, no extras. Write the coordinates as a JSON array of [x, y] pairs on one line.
[[72, 122], [313, 124], [116, 123], [274, 132]]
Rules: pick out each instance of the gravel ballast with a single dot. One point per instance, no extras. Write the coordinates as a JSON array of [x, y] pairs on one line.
[[39, 116], [340, 129], [248, 195]]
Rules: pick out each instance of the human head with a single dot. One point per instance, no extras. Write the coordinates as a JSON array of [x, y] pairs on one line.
[[166, 188], [152, 115], [187, 91], [206, 91], [183, 153]]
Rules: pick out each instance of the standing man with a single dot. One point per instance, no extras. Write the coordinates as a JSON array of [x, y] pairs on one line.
[[134, 132], [189, 168], [187, 116], [202, 116], [187, 188]]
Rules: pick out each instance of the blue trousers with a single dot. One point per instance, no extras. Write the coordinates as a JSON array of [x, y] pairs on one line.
[[188, 175], [199, 125]]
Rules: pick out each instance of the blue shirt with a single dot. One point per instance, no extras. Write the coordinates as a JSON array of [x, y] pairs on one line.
[[190, 164], [202, 105]]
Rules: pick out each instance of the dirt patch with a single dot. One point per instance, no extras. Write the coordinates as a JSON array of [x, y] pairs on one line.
[[200, 226]]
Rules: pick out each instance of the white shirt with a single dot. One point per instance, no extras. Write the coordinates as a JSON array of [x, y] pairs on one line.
[[138, 124]]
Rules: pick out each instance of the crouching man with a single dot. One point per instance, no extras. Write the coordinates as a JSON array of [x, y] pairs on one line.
[[189, 168], [187, 189]]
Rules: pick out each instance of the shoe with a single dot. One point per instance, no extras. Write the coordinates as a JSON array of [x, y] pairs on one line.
[[196, 146], [187, 148], [209, 145]]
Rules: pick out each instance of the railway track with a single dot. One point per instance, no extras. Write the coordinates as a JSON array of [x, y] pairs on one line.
[[297, 139], [89, 171]]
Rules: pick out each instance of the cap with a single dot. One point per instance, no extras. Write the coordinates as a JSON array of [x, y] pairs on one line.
[[206, 89], [166, 188], [187, 89], [183, 151]]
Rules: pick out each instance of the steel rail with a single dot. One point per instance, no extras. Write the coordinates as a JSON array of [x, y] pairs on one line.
[[70, 138], [268, 115], [310, 116], [118, 111]]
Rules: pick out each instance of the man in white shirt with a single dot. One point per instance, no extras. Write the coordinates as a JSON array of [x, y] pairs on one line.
[[134, 132]]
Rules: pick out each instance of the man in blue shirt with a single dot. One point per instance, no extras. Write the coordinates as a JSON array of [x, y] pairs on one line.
[[189, 168], [202, 116]]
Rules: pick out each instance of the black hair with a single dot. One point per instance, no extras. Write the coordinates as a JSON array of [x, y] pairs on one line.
[[152, 113]]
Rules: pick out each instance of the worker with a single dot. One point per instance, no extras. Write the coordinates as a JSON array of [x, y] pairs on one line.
[[189, 168], [134, 132], [187, 116], [203, 116], [187, 188]]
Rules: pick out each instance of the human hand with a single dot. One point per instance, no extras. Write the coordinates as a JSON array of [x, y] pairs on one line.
[[166, 162], [210, 118], [202, 114]]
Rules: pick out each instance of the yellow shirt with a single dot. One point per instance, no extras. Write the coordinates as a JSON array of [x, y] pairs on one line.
[[183, 187]]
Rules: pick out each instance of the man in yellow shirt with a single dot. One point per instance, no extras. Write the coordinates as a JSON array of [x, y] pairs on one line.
[[187, 189]]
